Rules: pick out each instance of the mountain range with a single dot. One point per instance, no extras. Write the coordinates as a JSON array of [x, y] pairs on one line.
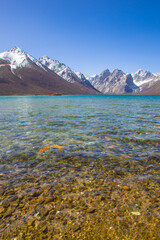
[[118, 82], [22, 74]]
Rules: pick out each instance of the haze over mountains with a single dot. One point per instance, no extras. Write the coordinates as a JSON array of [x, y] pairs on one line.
[[22, 74]]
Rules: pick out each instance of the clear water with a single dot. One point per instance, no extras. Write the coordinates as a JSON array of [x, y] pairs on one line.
[[104, 170], [95, 126]]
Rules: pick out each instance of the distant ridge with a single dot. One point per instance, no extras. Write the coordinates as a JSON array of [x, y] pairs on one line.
[[118, 82], [65, 72], [22, 74]]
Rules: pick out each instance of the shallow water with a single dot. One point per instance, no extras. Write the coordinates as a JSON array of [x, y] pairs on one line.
[[97, 126], [38, 132], [59, 154]]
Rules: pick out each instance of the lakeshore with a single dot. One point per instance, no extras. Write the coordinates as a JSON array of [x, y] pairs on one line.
[[80, 198]]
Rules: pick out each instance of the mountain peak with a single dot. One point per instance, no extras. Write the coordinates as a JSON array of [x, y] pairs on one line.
[[142, 73], [117, 71], [18, 58], [106, 71], [64, 71], [17, 50], [139, 71], [46, 59]]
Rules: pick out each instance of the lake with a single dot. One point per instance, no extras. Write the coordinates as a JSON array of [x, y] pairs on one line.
[[47, 141], [97, 126]]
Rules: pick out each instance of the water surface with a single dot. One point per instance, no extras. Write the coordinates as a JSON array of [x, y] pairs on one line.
[[97, 126], [73, 166]]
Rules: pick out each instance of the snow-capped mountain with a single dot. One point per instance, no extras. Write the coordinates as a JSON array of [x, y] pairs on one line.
[[115, 82], [65, 72], [118, 82], [141, 77], [59, 68], [17, 58], [147, 82], [22, 74]]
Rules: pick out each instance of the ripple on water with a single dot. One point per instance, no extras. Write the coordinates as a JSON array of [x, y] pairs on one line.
[[110, 126]]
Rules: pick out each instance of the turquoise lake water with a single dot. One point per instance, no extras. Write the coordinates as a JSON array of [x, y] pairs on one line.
[[79, 159], [95, 126]]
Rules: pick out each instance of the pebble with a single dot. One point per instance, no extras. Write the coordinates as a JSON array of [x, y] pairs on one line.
[[136, 213]]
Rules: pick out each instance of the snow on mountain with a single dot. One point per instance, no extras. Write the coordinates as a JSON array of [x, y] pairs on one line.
[[17, 58], [89, 78], [80, 76], [147, 82], [65, 72], [59, 68], [115, 82], [22, 74], [142, 77]]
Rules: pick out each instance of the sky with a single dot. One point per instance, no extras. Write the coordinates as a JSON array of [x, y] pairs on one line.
[[87, 35]]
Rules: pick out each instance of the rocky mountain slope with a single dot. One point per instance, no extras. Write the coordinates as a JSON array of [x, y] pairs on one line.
[[118, 82], [22, 74], [115, 82], [65, 72], [146, 81]]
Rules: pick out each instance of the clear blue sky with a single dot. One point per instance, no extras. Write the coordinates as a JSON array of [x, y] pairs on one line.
[[87, 35]]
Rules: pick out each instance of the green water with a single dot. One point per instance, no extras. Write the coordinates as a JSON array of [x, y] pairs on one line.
[[116, 129], [97, 126], [81, 160]]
